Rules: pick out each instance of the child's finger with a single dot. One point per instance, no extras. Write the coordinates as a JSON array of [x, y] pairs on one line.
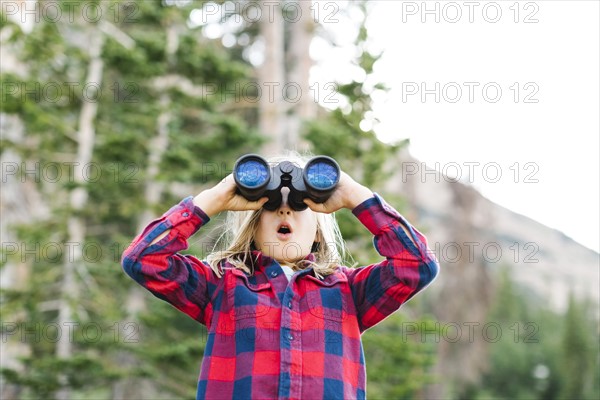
[[259, 203], [314, 206]]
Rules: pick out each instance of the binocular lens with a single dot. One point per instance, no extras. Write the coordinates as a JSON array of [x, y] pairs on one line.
[[252, 173], [322, 174]]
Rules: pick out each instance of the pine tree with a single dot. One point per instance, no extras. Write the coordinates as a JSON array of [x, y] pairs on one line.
[[135, 71], [578, 353]]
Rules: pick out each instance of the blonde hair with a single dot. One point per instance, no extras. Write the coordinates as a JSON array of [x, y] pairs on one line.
[[240, 228]]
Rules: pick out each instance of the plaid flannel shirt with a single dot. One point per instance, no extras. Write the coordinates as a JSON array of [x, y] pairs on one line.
[[270, 338]]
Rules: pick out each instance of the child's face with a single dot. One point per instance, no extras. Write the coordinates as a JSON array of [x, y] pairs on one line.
[[291, 245]]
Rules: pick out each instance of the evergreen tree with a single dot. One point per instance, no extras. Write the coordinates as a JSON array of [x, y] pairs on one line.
[[515, 355], [142, 93], [542, 354], [579, 355]]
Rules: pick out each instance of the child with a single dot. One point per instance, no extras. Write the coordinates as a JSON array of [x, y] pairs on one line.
[[284, 318]]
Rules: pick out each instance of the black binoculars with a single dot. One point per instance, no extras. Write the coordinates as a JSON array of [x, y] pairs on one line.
[[255, 179]]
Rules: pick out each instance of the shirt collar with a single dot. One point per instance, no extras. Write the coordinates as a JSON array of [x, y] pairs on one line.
[[263, 261]]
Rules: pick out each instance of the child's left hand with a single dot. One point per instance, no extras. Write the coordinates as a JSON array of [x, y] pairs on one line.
[[348, 194]]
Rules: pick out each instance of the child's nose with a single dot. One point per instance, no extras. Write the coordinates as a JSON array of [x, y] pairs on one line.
[[285, 211], [284, 208]]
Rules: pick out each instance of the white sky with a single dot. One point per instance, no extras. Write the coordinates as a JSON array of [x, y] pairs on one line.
[[558, 135]]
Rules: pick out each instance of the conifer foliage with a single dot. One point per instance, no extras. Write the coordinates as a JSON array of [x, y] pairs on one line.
[[121, 116]]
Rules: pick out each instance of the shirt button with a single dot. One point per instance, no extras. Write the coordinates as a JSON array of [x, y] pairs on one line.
[[273, 274], [290, 304], [185, 214], [291, 337]]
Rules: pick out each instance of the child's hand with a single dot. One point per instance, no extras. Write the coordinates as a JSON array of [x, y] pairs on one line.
[[222, 197], [348, 194]]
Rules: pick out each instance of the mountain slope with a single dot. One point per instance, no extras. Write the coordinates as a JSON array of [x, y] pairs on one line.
[[463, 226]]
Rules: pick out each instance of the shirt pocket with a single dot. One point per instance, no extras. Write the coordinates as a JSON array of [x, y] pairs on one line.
[[328, 302], [249, 300]]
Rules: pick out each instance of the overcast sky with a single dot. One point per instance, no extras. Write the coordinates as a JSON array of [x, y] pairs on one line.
[[495, 88]]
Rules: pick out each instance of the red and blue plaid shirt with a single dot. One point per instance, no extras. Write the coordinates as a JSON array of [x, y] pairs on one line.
[[273, 338]]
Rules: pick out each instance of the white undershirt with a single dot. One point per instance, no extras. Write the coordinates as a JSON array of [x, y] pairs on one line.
[[287, 271]]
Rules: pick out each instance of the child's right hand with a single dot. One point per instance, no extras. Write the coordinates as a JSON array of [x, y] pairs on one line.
[[222, 197]]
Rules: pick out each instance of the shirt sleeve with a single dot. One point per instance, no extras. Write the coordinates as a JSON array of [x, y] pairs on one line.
[[182, 280], [380, 289]]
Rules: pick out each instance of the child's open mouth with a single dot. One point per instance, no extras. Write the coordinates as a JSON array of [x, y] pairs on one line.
[[284, 231]]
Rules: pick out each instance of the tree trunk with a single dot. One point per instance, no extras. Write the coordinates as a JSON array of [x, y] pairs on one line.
[[299, 63], [271, 77], [20, 203], [130, 387], [77, 201]]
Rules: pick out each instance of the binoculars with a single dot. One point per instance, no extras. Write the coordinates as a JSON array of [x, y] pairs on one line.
[[255, 178]]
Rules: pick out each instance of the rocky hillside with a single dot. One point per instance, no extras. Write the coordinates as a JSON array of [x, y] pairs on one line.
[[465, 228]]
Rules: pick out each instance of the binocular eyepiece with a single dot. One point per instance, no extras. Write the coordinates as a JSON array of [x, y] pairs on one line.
[[255, 179]]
